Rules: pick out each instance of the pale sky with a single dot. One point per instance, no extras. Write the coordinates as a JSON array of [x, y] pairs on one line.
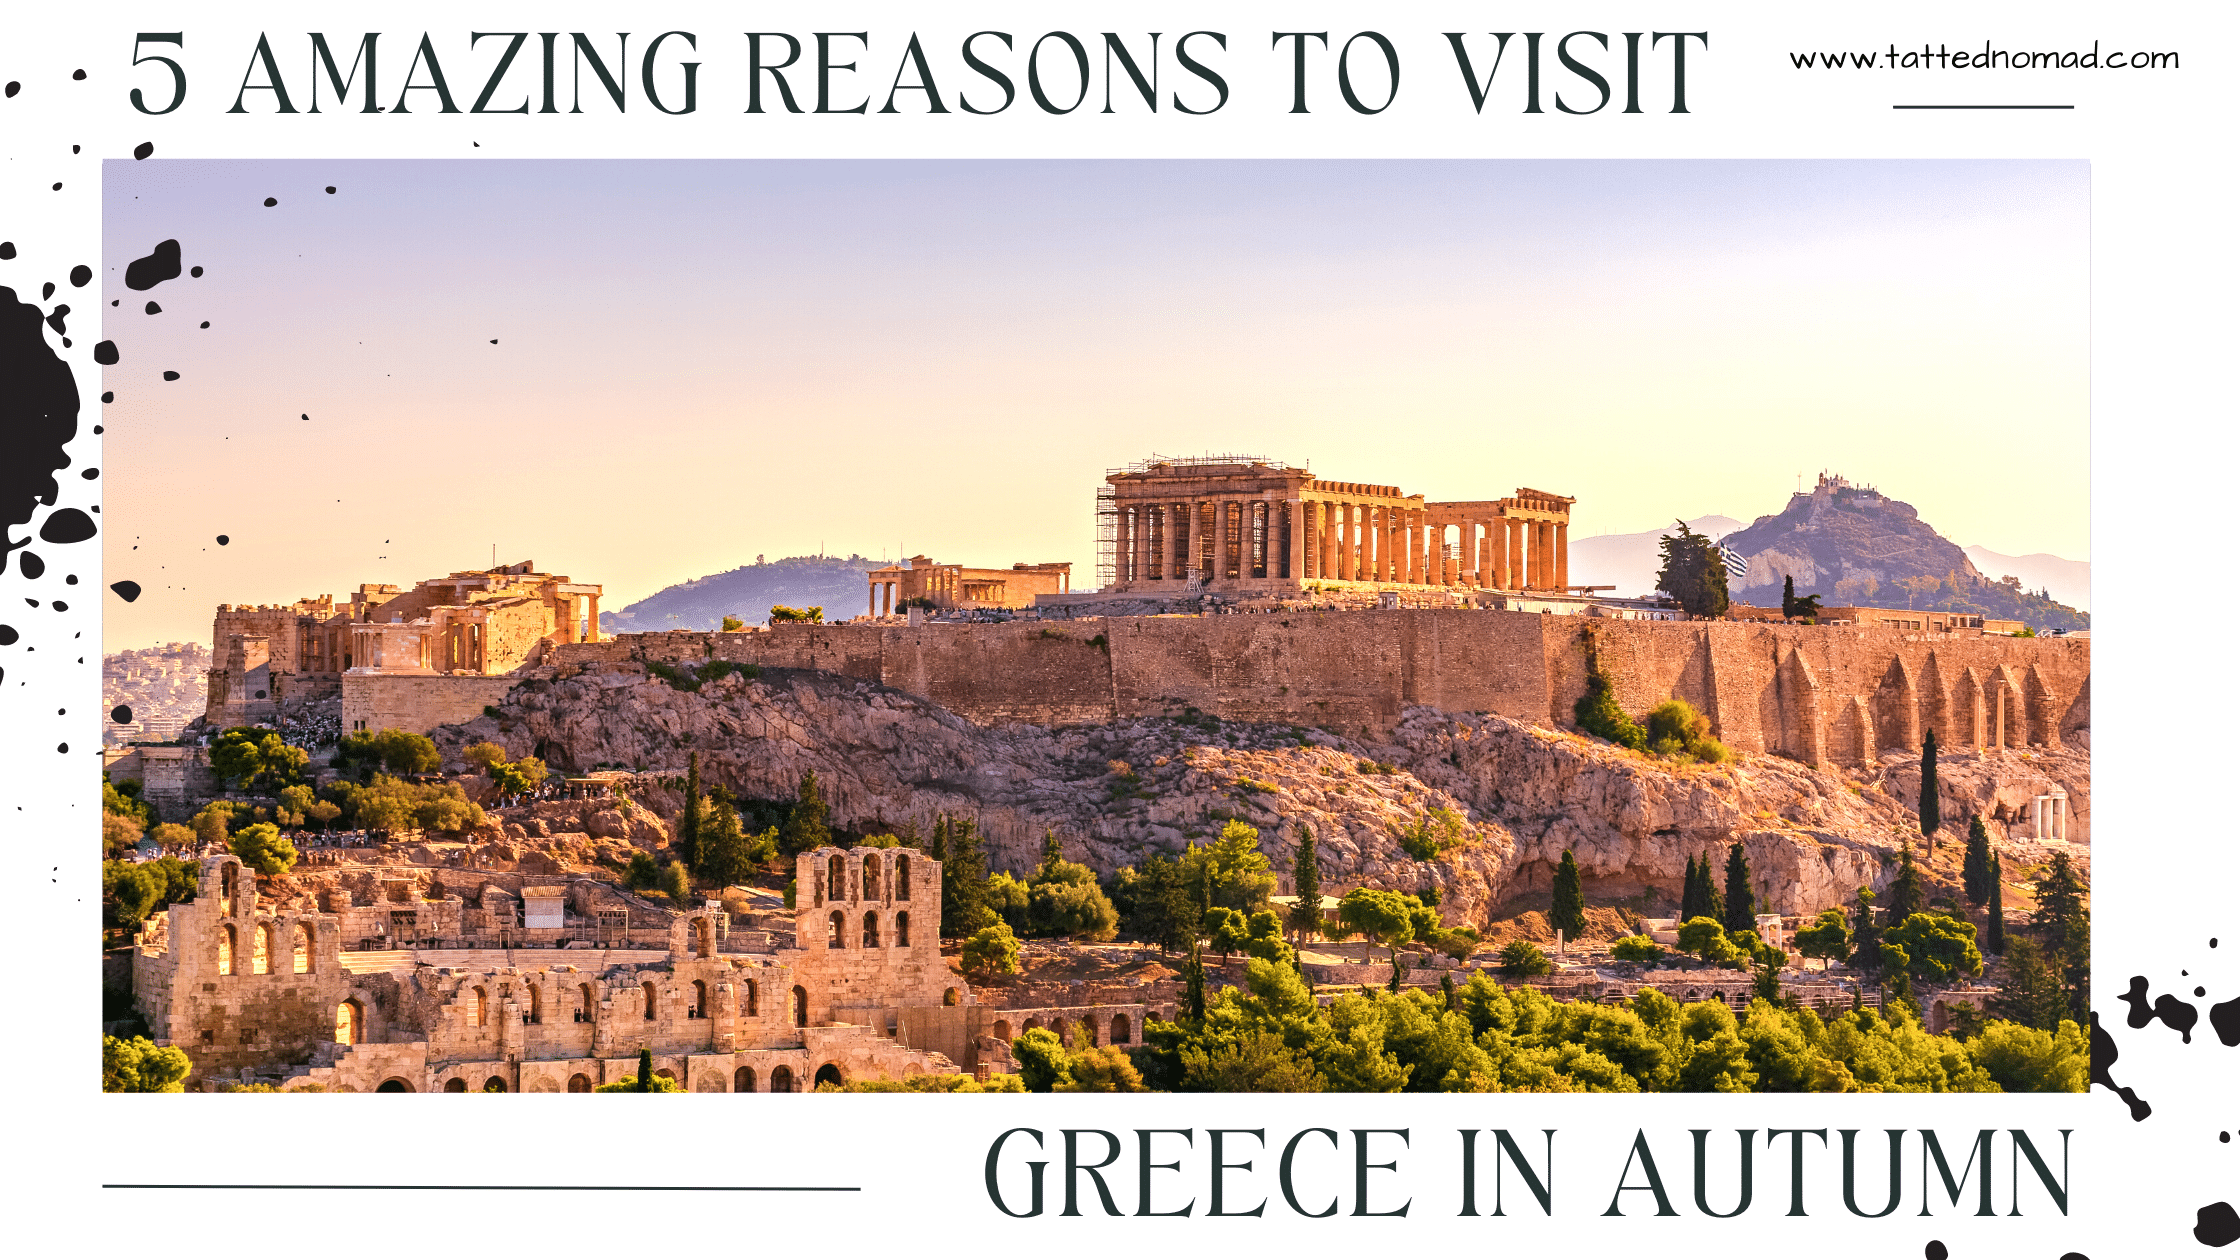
[[697, 362]]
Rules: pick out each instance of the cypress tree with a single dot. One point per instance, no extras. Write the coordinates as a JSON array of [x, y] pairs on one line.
[[805, 827], [688, 824], [1567, 909], [1306, 881], [1975, 868], [1714, 905], [1995, 940], [1446, 989], [1931, 819], [964, 883], [1866, 938], [1788, 595], [1904, 896], [938, 850], [1690, 904], [645, 1070], [1393, 985], [1742, 907], [1194, 983]]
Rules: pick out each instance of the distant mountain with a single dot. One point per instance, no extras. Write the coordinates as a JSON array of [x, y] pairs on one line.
[[1631, 562], [747, 593], [2069, 581], [1853, 545]]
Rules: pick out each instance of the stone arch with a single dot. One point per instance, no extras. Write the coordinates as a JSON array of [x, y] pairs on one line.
[[752, 998], [1897, 707], [742, 1081], [829, 1074], [836, 876], [1120, 1033], [837, 937], [1087, 1027], [300, 950], [394, 1085], [703, 937], [781, 1079], [800, 1007], [1058, 1026], [456, 1085], [699, 999], [871, 872], [587, 1009], [1031, 1024], [225, 950], [260, 957], [871, 929], [579, 1084], [665, 1074], [494, 1085], [535, 1013], [949, 996], [228, 875], [349, 1023], [647, 989], [478, 1010], [902, 877], [902, 928], [1002, 1030]]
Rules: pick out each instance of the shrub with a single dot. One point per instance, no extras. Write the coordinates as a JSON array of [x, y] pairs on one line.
[[992, 950], [1675, 729], [262, 848], [1433, 834], [629, 1085], [1638, 949], [1523, 958], [812, 615], [1597, 713], [139, 1066]]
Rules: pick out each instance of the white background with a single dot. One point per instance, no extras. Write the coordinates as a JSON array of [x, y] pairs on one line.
[[2160, 144]]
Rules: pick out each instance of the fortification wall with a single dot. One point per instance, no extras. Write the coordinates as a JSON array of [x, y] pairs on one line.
[[371, 702], [1818, 693]]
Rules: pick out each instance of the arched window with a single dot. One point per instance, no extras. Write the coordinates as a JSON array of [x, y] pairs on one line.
[[579, 1084], [225, 950], [870, 929], [703, 937], [456, 1085], [870, 877], [584, 1011], [948, 997], [648, 988], [1119, 1030], [902, 928], [346, 1018], [536, 1005], [394, 1085], [302, 949], [836, 876], [838, 937], [750, 999], [800, 1008], [829, 1074], [1031, 1024], [1058, 1026], [1003, 1030], [479, 1009], [699, 999], [902, 879], [225, 889], [260, 962], [781, 1079], [495, 1085], [1087, 1027], [742, 1081]]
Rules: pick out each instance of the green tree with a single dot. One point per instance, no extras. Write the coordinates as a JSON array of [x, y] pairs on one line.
[[1306, 881], [812, 615], [262, 848], [1637, 949], [245, 757], [139, 1066], [732, 624], [1567, 908], [132, 892], [407, 752], [2030, 1060], [1159, 912], [1194, 983], [725, 856], [676, 884], [1975, 866], [1042, 1059], [688, 822], [173, 837], [2031, 994], [1095, 1069], [645, 1070], [213, 825], [1931, 818], [634, 1084], [1597, 713], [1937, 947], [1523, 958], [1691, 894], [1742, 905], [805, 826], [1905, 896], [1231, 871], [964, 878], [1706, 938], [1866, 937], [991, 951], [1264, 938], [1381, 915], [2063, 922], [1675, 729], [1072, 907], [1827, 938], [1995, 913], [1224, 930], [119, 832], [1693, 572]]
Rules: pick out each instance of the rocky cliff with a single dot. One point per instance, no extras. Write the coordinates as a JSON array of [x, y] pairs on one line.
[[1116, 791]]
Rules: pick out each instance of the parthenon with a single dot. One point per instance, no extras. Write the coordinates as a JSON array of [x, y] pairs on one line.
[[1259, 526]]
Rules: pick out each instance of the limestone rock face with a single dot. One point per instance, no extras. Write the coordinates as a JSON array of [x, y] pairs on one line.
[[1116, 791]]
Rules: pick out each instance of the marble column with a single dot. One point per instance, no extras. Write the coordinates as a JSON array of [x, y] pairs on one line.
[[591, 620], [1295, 540], [1120, 555], [1563, 553], [1190, 554]]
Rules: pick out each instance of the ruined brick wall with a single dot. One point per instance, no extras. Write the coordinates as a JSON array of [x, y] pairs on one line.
[[277, 624], [512, 632], [371, 702]]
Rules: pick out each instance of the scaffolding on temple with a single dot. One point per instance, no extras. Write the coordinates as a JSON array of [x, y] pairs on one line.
[[1108, 535]]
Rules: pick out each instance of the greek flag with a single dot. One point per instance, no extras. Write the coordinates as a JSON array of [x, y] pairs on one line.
[[1736, 565]]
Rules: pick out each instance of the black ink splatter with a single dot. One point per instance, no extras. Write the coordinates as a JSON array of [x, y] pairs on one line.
[[90, 473], [62, 748], [69, 525], [2104, 1055], [7, 636], [108, 395], [144, 150], [127, 591], [59, 606], [196, 272], [46, 291], [32, 565], [38, 416], [2216, 1225], [2225, 1018], [2179, 1015], [161, 264], [330, 190], [78, 76], [121, 714], [7, 249], [171, 376], [13, 88], [270, 202], [1935, 1251], [153, 309], [105, 354], [206, 323], [81, 276], [223, 540]]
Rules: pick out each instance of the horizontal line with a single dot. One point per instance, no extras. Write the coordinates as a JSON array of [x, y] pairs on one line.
[[1983, 107], [357, 1187], [236, 1186]]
